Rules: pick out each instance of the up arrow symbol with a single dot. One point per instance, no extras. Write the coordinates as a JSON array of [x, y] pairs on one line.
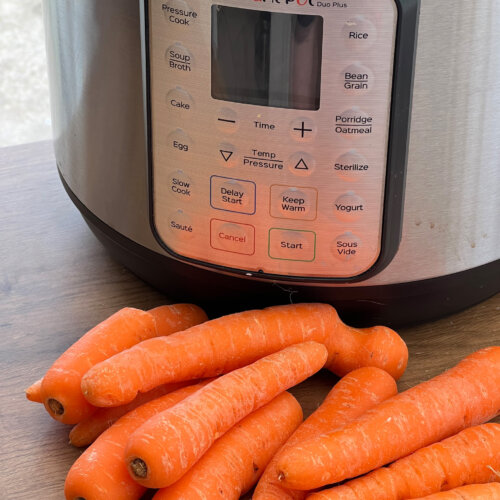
[[226, 154], [302, 165]]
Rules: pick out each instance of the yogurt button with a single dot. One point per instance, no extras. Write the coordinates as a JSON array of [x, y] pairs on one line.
[[349, 207]]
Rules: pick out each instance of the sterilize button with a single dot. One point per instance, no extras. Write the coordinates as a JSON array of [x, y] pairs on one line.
[[180, 141], [232, 237], [354, 124], [359, 33], [288, 244], [179, 13], [351, 166], [180, 101], [349, 207], [181, 225], [179, 58], [346, 247], [301, 164], [357, 79], [227, 120], [303, 129], [181, 185]]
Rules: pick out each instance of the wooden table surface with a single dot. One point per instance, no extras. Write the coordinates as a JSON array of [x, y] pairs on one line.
[[57, 282]]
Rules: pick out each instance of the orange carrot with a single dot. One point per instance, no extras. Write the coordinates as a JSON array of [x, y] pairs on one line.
[[61, 392], [464, 396], [236, 460], [357, 392], [100, 472], [489, 491], [468, 457], [227, 343], [87, 431], [168, 445], [34, 392]]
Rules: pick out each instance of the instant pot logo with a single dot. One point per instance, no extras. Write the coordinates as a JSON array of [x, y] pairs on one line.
[[312, 3]]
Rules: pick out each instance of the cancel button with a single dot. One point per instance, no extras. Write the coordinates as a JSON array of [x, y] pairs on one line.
[[232, 237]]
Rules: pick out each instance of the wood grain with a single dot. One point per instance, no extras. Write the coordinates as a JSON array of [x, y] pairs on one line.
[[56, 282]]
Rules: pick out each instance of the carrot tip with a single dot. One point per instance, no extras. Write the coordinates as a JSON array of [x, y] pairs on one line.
[[494, 471], [139, 468], [55, 407], [281, 475]]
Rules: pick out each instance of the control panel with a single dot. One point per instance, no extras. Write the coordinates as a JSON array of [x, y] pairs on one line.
[[269, 130]]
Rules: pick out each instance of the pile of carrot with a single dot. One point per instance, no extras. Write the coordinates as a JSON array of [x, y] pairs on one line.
[[199, 409]]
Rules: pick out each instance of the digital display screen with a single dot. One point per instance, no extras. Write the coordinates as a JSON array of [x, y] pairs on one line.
[[266, 58]]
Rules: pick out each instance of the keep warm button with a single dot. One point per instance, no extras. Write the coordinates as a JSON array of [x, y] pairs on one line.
[[232, 195], [232, 237]]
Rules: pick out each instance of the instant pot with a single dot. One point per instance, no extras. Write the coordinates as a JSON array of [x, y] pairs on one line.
[[239, 153]]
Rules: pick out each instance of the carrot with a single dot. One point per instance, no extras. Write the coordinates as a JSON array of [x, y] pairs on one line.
[[100, 472], [464, 396], [34, 392], [87, 431], [236, 460], [61, 392], [230, 342], [489, 491], [351, 396], [468, 457], [168, 445]]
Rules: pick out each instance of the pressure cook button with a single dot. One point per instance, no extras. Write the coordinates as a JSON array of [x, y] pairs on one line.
[[346, 247], [180, 141], [288, 244], [179, 58], [353, 124], [232, 195], [180, 101], [301, 164], [349, 207], [181, 225], [227, 120], [179, 13], [357, 79], [181, 185], [359, 33], [303, 129], [232, 237], [293, 203], [351, 166]]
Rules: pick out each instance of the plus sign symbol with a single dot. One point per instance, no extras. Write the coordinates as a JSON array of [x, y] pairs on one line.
[[302, 129]]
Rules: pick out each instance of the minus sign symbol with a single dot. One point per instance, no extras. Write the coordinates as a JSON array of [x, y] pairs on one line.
[[228, 121]]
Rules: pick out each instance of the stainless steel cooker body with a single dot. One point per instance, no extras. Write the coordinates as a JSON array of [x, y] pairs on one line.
[[451, 219]]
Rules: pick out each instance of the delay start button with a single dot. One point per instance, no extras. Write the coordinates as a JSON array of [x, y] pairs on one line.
[[232, 237], [179, 13]]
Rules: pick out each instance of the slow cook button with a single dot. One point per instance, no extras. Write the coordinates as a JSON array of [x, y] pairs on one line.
[[179, 58], [181, 225], [287, 244], [293, 203], [179, 13], [232, 237], [181, 185], [232, 195], [346, 247], [349, 207], [179, 101]]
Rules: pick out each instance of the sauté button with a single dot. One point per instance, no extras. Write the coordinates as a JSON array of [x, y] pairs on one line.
[[179, 141], [232, 195], [181, 225], [351, 166], [179, 58], [346, 247], [180, 101], [288, 244], [293, 203], [181, 185], [232, 237], [359, 33], [349, 207]]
